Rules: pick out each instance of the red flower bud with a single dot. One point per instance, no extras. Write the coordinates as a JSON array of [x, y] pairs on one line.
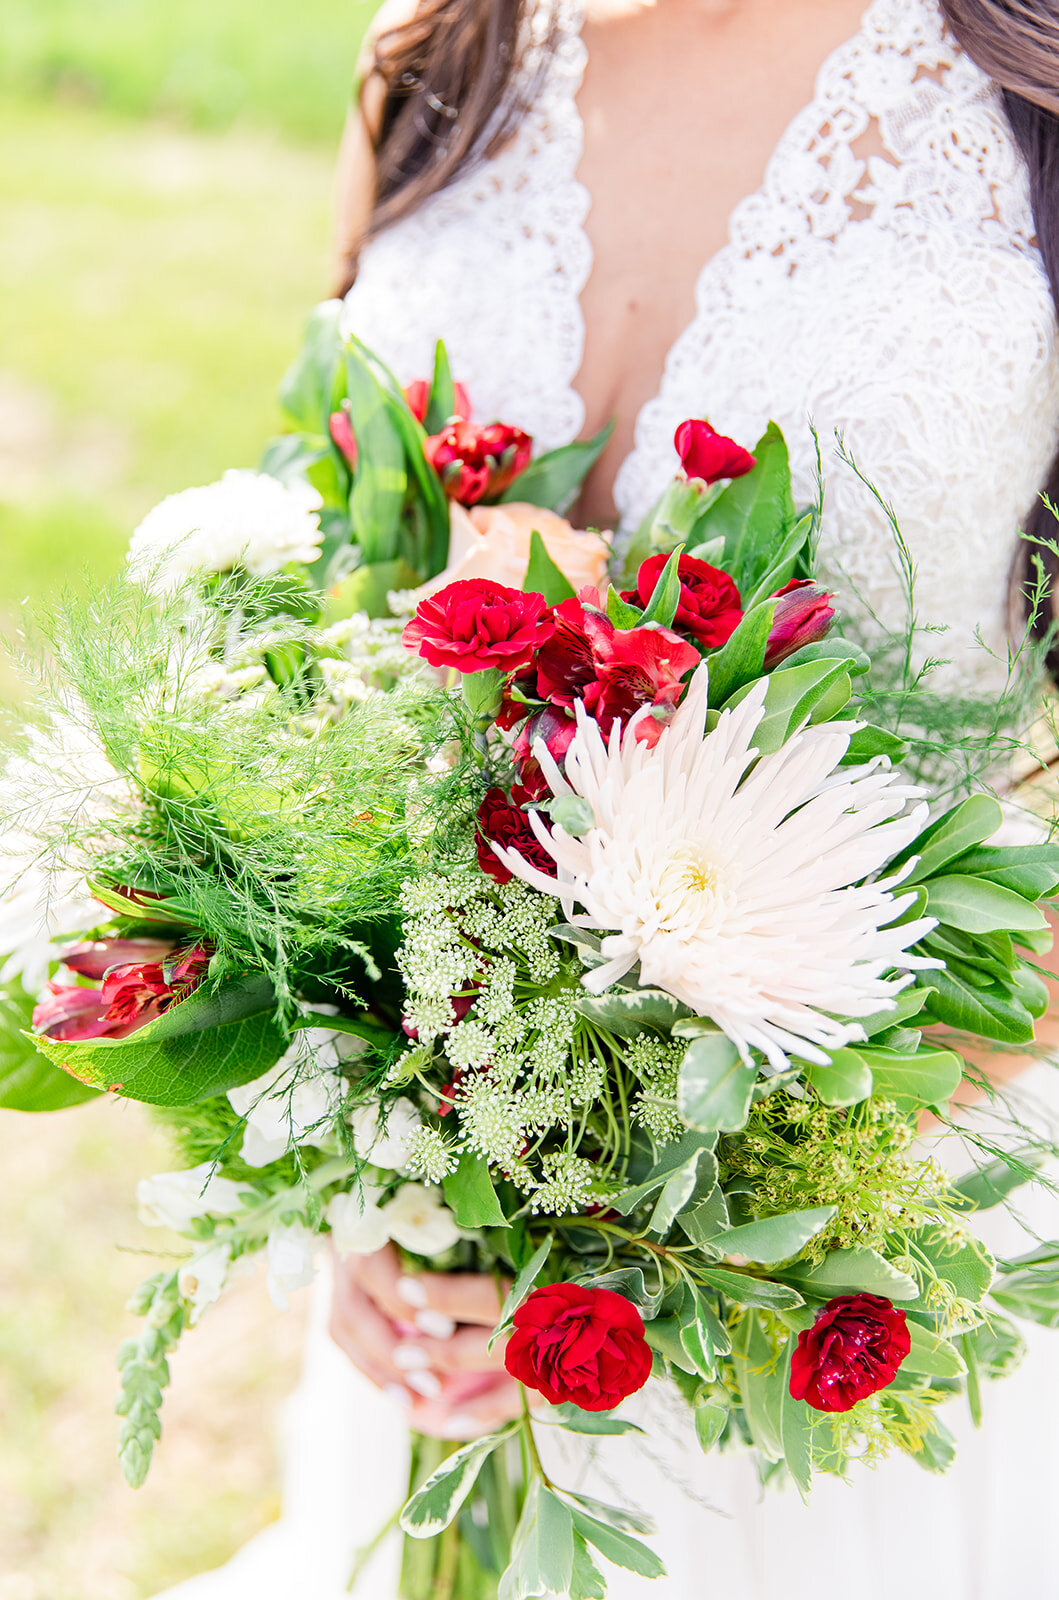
[[417, 396], [802, 616], [342, 436], [474, 624], [474, 462], [852, 1350], [704, 453], [580, 1346]]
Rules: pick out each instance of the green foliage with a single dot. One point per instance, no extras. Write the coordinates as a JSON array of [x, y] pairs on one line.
[[27, 1081], [435, 1504], [145, 1372], [470, 1194], [554, 479], [543, 576]]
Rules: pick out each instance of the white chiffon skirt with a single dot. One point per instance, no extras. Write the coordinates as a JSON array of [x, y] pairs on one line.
[[986, 1530]]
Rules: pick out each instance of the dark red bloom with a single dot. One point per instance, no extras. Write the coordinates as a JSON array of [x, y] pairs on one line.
[[556, 731], [473, 625], [852, 1350], [802, 616], [580, 1346], [343, 437], [474, 462], [709, 606], [704, 453], [567, 662], [417, 396], [131, 994], [504, 822]]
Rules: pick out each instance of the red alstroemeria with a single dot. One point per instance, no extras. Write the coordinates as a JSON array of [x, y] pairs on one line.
[[417, 396], [803, 615], [555, 729], [704, 453], [709, 606], [131, 994], [96, 959], [566, 663], [474, 462], [640, 667]]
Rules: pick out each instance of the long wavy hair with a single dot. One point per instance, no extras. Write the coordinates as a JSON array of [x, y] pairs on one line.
[[453, 91]]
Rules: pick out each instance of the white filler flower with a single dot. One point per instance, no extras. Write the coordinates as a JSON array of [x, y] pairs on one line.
[[174, 1199], [246, 519], [738, 888]]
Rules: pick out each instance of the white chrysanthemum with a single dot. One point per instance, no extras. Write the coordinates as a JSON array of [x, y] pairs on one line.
[[738, 888], [245, 519]]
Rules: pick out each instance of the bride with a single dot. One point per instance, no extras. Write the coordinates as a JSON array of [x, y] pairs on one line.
[[732, 208]]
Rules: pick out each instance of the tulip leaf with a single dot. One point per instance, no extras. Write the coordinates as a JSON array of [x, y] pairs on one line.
[[851, 1271], [772, 1239], [27, 1081], [741, 659], [554, 479], [470, 1195], [441, 404], [715, 1086], [307, 391], [210, 1042], [380, 479], [436, 1502]]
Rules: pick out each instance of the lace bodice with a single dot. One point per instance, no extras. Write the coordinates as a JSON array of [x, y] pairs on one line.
[[882, 283]]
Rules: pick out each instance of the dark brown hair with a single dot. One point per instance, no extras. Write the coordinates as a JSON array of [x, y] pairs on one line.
[[448, 79]]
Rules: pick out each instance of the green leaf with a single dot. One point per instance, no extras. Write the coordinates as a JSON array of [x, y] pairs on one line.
[[868, 742], [852, 1271], [542, 1551], [554, 480], [470, 1195], [968, 1267], [777, 1238], [795, 696], [690, 1183], [978, 906], [629, 1282], [27, 1081], [671, 1161], [715, 1084], [366, 589], [614, 1516], [741, 659], [985, 1008], [663, 1335], [856, 660], [744, 1290], [206, 1044], [781, 562], [711, 1413], [1032, 1292], [938, 1451], [796, 1429], [932, 1355], [665, 597], [998, 1346], [436, 1502], [627, 1012], [616, 1546], [702, 1336], [543, 576], [442, 402], [960, 829], [307, 392], [920, 1078], [380, 481], [755, 1364], [621, 613], [1031, 870], [755, 511], [574, 1420], [909, 1003], [522, 1285], [843, 1081], [586, 1581]]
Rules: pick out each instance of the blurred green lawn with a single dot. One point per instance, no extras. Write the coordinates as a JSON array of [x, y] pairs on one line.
[[164, 214]]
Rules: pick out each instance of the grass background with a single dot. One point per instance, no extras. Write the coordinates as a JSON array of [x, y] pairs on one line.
[[164, 218]]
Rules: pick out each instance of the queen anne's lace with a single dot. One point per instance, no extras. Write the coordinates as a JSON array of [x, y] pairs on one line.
[[883, 282]]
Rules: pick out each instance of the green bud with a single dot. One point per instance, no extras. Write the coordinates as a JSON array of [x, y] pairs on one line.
[[572, 814]]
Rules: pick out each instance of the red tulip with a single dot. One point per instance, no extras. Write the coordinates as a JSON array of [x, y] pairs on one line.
[[803, 615]]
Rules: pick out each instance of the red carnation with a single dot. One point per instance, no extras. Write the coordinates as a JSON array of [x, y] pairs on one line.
[[802, 616], [704, 453], [577, 1345], [474, 624], [853, 1349], [504, 822], [709, 606], [474, 462], [417, 398]]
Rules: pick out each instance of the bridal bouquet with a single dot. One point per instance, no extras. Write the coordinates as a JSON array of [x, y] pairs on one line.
[[584, 931]]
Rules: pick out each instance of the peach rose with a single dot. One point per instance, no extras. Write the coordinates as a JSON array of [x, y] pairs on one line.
[[493, 542]]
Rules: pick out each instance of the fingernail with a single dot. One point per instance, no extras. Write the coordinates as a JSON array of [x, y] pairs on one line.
[[399, 1395], [410, 1357], [412, 1292], [425, 1383], [459, 1427], [435, 1324]]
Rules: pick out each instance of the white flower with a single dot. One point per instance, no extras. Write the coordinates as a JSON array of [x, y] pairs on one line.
[[203, 1278], [296, 1100], [247, 519], [384, 1142], [417, 1220], [737, 887], [356, 1221], [289, 1254], [173, 1199]]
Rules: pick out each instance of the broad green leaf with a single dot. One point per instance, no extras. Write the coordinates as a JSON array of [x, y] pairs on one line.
[[586, 1580], [857, 661], [672, 1160], [663, 1335], [27, 1081], [715, 1084], [1031, 870], [1032, 1292], [842, 1081], [210, 1042], [381, 479], [978, 906], [796, 1429], [442, 401], [755, 1363], [698, 1327], [987, 1009], [960, 829], [691, 1183], [574, 1420], [543, 576], [852, 1271], [868, 742], [772, 1239], [522, 1285], [938, 1451], [968, 1266], [993, 1182], [781, 561], [621, 612], [754, 512], [932, 1355], [741, 659], [470, 1194], [627, 1012], [629, 1282], [554, 480], [665, 597], [436, 1502], [909, 1003], [704, 1221], [795, 696], [922, 1078], [307, 391], [616, 1546], [614, 1516], [998, 1346], [542, 1551], [711, 1413], [745, 1290]]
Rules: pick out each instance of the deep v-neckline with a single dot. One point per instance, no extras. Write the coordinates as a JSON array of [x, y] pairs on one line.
[[716, 265]]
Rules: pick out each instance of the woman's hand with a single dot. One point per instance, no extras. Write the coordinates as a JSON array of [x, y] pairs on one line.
[[424, 1340]]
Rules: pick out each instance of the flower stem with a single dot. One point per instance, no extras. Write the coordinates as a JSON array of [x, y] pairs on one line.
[[531, 1443]]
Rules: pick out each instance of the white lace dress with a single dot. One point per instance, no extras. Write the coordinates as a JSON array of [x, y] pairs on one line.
[[883, 283]]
